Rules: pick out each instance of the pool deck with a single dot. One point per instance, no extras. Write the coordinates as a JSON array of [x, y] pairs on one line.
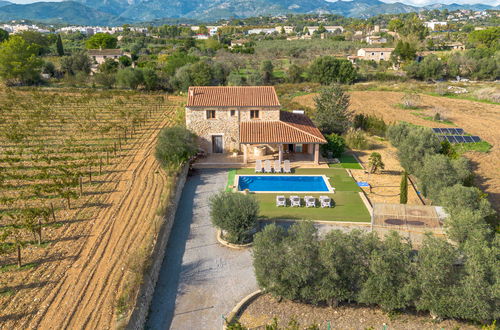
[[230, 161]]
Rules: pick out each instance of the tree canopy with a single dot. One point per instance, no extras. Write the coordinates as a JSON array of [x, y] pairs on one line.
[[19, 62], [101, 41]]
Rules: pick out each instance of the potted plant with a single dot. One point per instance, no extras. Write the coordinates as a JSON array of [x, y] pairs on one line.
[[235, 152]]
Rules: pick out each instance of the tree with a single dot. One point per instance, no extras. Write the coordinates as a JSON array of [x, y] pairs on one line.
[[59, 46], [294, 74], [19, 62], [124, 61], [335, 145], [101, 41], [375, 162], [332, 110], [327, 70], [37, 40], [108, 66], [487, 38], [175, 146], [130, 77], [4, 35], [436, 276], [458, 197], [150, 79], [462, 224], [390, 270], [345, 258], [266, 70], [78, 62], [234, 213], [403, 188], [404, 51]]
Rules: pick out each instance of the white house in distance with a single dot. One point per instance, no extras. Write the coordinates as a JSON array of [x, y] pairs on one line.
[[373, 40], [330, 29], [375, 54], [432, 25]]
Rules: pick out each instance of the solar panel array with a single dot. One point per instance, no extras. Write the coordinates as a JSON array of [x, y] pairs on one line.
[[455, 135]]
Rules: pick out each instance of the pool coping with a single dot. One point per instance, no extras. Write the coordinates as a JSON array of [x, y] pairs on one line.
[[331, 190]]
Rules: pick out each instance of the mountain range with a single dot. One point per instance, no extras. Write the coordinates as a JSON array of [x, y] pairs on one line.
[[117, 12]]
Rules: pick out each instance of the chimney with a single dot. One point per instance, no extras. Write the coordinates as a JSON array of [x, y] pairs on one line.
[[300, 112]]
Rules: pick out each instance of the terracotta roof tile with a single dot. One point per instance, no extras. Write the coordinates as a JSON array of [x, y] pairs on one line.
[[292, 128], [232, 96]]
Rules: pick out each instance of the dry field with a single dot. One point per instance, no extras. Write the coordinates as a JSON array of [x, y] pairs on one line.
[[262, 311], [475, 118], [74, 278]]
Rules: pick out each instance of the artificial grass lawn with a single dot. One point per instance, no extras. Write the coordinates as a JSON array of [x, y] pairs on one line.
[[348, 207], [348, 203], [230, 179], [347, 161]]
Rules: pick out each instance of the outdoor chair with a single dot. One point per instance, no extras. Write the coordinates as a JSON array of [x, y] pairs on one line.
[[286, 166], [267, 166], [294, 201], [277, 166], [258, 166], [325, 201], [310, 201], [280, 201]]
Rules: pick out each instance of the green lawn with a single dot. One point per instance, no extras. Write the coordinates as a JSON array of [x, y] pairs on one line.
[[347, 161], [348, 207], [348, 203]]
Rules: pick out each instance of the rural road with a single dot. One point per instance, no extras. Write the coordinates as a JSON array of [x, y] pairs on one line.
[[200, 280]]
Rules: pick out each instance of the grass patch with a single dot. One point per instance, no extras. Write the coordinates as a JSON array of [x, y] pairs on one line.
[[348, 207], [230, 179], [482, 146], [13, 267], [347, 161], [431, 118], [463, 97], [405, 107], [6, 292]]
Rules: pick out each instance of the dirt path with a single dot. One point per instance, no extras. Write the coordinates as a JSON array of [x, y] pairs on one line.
[[476, 118], [85, 296]]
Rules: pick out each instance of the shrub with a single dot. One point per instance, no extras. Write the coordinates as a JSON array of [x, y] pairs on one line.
[[335, 146], [234, 213], [375, 162], [175, 146], [130, 77], [356, 139], [370, 124], [327, 70], [411, 100]]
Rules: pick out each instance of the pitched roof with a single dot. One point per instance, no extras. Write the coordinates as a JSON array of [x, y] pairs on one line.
[[105, 52], [291, 128], [232, 96]]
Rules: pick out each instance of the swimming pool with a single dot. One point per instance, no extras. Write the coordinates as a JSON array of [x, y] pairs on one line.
[[284, 183]]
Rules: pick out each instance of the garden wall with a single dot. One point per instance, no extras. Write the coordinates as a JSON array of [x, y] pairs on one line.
[[144, 297]]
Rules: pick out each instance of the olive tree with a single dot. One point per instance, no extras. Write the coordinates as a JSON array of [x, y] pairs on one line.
[[332, 110], [236, 214], [175, 146]]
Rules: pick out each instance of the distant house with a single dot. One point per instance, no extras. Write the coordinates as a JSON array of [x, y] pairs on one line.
[[202, 36], [249, 119], [238, 43], [100, 55], [330, 29], [455, 46], [432, 25], [375, 54], [262, 30], [372, 40]]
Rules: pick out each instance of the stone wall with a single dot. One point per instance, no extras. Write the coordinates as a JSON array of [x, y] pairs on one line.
[[223, 124], [140, 312]]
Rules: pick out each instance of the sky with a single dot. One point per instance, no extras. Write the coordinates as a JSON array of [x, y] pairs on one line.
[[409, 2]]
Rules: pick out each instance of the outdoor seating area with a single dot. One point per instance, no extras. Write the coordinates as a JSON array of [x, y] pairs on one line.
[[276, 168], [309, 201]]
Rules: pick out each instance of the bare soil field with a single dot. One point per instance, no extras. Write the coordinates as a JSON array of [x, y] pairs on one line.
[[475, 118], [263, 309], [74, 279]]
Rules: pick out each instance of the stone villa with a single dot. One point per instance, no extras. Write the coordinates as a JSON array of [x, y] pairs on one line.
[[249, 119], [375, 54]]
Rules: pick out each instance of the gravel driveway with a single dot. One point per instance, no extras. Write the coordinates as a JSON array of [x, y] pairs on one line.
[[200, 280]]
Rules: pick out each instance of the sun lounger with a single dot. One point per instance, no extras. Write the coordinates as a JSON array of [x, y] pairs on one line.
[[286, 166], [325, 201], [280, 201], [294, 201], [310, 201], [258, 166], [267, 166], [277, 166]]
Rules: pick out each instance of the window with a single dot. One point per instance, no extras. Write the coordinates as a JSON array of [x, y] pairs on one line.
[[232, 113], [298, 148], [210, 114], [373, 54], [382, 54], [254, 114]]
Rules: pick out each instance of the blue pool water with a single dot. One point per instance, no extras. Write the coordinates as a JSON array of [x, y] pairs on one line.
[[286, 183]]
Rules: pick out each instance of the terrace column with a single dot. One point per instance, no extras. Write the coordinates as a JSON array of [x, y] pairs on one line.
[[280, 153], [316, 154], [245, 154]]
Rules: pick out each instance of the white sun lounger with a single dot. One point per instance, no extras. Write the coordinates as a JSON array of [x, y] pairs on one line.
[[258, 166], [277, 166], [267, 166], [310, 201], [294, 201], [325, 201], [286, 166], [280, 201]]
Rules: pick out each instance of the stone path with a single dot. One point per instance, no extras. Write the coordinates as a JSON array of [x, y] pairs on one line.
[[200, 280]]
